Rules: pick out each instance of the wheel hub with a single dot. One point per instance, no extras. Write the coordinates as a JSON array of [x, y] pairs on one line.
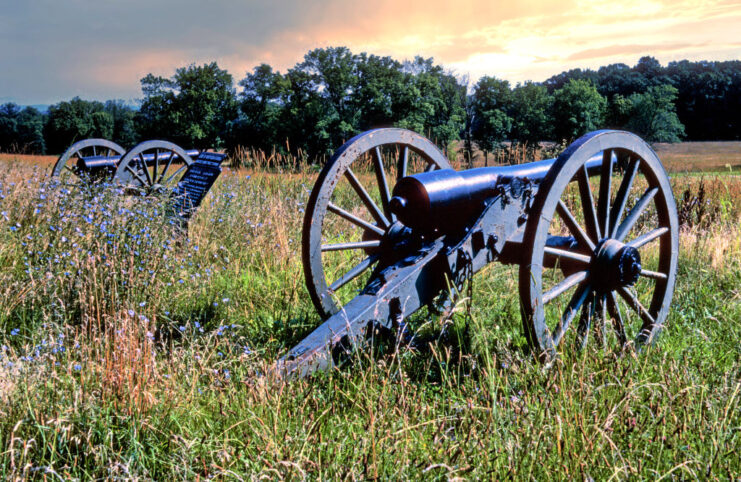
[[615, 265], [397, 242]]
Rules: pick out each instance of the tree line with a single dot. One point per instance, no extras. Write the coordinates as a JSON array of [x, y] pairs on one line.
[[334, 94]]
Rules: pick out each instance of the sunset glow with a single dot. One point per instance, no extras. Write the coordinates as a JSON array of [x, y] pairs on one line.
[[54, 50]]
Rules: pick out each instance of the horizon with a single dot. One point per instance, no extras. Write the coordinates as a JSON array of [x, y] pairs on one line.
[[55, 59]]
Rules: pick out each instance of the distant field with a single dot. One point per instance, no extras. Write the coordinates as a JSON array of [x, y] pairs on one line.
[[700, 156], [46, 161], [680, 157]]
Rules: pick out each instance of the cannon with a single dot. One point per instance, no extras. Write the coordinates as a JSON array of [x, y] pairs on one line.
[[150, 167], [390, 226], [104, 160]]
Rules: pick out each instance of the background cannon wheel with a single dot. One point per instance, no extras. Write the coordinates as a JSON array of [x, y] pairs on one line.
[[621, 269], [348, 216], [66, 166], [152, 166]]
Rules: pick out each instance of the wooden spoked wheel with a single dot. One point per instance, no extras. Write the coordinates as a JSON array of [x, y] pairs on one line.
[[66, 166], [615, 279], [348, 220], [152, 166]]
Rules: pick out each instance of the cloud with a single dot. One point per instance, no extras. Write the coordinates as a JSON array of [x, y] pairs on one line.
[[100, 49], [624, 50]]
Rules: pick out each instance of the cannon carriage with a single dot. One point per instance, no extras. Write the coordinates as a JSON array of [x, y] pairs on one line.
[[389, 224]]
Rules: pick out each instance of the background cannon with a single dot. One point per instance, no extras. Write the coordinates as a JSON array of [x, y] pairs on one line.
[[103, 160], [150, 167], [389, 224]]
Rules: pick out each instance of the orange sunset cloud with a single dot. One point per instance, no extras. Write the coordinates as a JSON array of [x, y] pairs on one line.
[[53, 57]]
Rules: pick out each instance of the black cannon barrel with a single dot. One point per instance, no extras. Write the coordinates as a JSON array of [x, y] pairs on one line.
[[449, 198]]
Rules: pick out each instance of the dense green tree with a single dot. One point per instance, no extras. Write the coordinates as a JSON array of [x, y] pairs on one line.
[[261, 109], [21, 130], [492, 100], [380, 95], [74, 120], [619, 79], [334, 78], [530, 107], [333, 94], [649, 67], [559, 80], [448, 119], [653, 115], [124, 126], [192, 108], [577, 109], [619, 110], [308, 125], [467, 133], [434, 102], [709, 98]]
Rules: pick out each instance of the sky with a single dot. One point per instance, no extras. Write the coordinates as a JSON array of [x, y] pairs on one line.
[[53, 50]]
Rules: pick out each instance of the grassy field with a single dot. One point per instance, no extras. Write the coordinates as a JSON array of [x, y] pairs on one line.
[[700, 156], [128, 350]]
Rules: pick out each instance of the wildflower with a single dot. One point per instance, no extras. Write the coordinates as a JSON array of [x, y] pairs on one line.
[[77, 367]]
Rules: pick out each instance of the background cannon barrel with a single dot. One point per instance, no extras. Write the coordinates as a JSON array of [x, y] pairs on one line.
[[99, 161], [104, 167], [447, 199]]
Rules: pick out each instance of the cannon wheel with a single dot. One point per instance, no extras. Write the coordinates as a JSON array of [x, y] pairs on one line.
[[66, 165], [345, 221], [168, 164], [602, 268]]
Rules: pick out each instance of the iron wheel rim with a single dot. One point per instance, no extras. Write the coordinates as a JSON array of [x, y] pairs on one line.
[[618, 223], [338, 167], [134, 172], [95, 147]]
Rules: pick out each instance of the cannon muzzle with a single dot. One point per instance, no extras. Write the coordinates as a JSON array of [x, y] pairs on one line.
[[421, 200]]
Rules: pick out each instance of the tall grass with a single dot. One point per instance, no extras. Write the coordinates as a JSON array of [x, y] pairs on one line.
[[132, 349]]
